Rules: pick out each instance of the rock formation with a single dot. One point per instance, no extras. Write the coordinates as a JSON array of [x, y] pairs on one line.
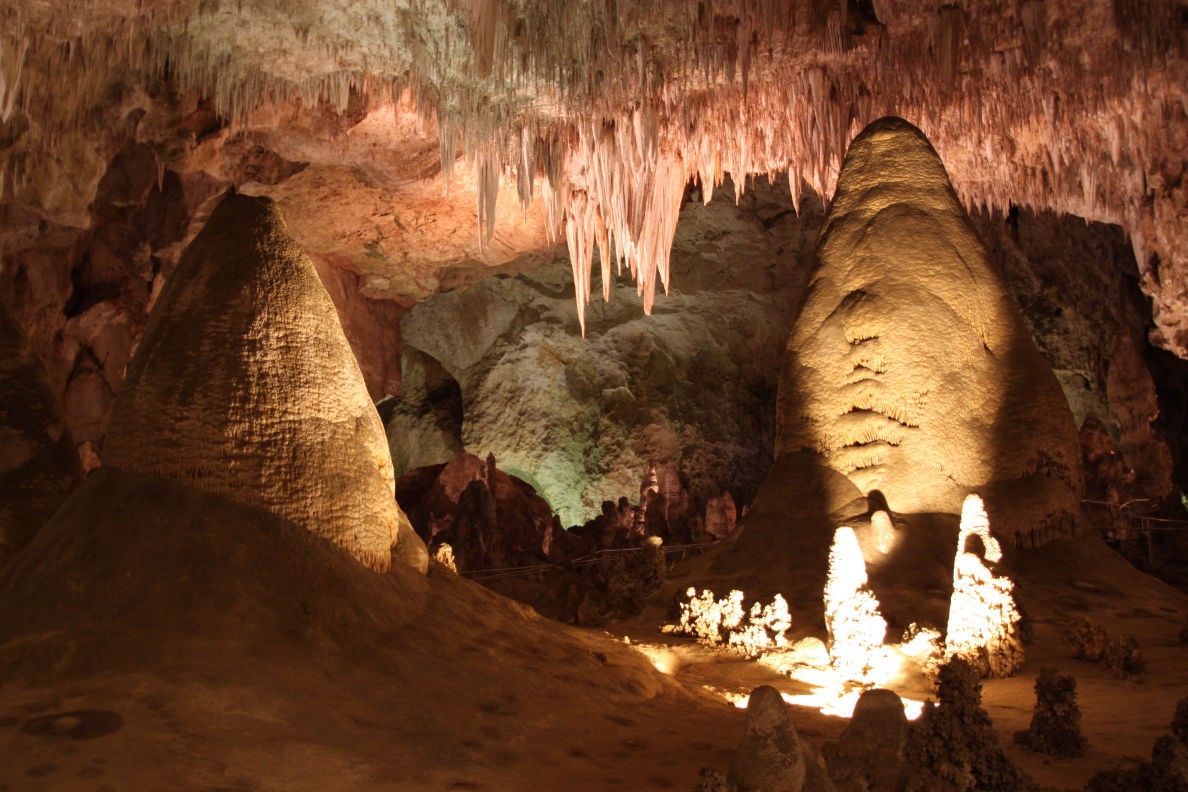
[[580, 418], [1054, 104], [1056, 721], [244, 386], [1072, 283], [909, 369], [38, 464], [1168, 768], [953, 747], [769, 757], [869, 753], [489, 518], [1121, 655]]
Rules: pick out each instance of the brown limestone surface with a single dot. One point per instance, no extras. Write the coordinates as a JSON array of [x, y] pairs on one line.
[[245, 386], [38, 465], [909, 370]]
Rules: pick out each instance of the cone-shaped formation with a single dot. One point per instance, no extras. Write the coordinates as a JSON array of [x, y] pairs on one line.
[[245, 386], [909, 369], [38, 463]]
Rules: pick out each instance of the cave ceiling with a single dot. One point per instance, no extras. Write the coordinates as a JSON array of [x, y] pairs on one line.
[[416, 144]]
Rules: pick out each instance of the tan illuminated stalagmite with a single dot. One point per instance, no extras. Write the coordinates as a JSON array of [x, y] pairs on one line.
[[245, 386], [909, 370]]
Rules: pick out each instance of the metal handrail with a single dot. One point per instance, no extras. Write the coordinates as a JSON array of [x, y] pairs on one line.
[[597, 557], [1123, 522]]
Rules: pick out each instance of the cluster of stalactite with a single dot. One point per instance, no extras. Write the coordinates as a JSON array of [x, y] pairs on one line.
[[619, 105]]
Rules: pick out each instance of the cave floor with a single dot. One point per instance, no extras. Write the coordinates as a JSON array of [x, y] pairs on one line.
[[504, 705], [122, 668]]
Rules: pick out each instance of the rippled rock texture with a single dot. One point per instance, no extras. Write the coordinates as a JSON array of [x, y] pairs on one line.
[[909, 369]]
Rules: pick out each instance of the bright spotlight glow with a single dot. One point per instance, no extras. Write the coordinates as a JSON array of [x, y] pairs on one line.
[[856, 629], [829, 702], [663, 658]]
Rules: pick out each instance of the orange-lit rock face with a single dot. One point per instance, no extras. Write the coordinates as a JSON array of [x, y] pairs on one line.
[[908, 368], [245, 386]]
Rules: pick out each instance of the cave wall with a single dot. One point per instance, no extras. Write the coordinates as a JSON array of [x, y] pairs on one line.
[[498, 367], [1075, 283], [80, 280], [690, 388]]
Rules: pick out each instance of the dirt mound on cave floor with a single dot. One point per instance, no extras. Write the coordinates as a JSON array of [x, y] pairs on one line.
[[155, 637]]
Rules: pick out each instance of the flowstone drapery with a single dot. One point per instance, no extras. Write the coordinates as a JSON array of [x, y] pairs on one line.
[[909, 369]]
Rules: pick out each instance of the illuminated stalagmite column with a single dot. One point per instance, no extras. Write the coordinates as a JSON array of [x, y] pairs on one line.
[[852, 619], [245, 386], [909, 370], [983, 620]]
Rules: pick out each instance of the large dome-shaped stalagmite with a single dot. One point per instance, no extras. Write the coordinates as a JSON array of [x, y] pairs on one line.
[[245, 386], [909, 369]]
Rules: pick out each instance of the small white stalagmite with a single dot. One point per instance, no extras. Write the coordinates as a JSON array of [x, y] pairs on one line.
[[983, 619]]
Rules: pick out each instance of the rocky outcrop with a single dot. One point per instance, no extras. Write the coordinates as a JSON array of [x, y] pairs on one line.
[[82, 292], [952, 747], [424, 424], [1074, 284], [908, 369], [1056, 720], [244, 386], [38, 464], [772, 757]]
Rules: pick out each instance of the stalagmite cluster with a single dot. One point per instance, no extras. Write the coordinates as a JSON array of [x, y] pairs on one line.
[[727, 622], [983, 619], [244, 386]]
